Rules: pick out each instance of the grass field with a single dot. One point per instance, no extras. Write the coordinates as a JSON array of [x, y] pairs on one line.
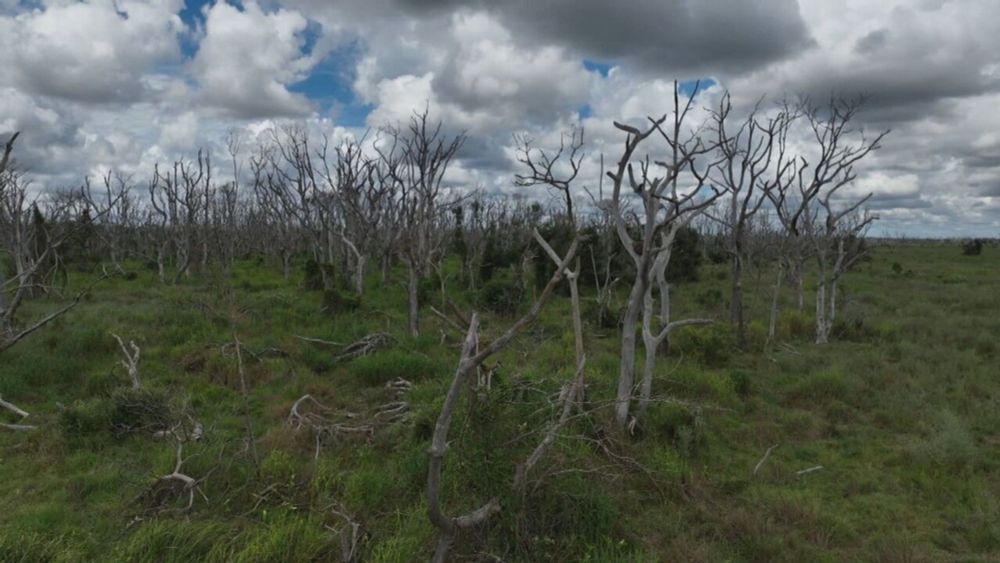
[[902, 413]]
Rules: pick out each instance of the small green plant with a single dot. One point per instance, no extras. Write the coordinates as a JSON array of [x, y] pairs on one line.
[[86, 418], [388, 365]]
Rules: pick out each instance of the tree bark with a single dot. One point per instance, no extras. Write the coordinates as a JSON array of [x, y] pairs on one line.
[[413, 294]]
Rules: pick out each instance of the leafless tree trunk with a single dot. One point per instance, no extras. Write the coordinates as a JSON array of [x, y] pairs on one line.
[[746, 157], [472, 357], [664, 208], [808, 213], [415, 162]]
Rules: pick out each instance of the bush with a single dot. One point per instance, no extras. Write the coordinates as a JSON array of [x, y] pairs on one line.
[[685, 257], [742, 381], [973, 247], [140, 410], [713, 345], [337, 302], [710, 297], [314, 273], [387, 365], [86, 418], [679, 425], [949, 443], [819, 388], [799, 324], [502, 296]]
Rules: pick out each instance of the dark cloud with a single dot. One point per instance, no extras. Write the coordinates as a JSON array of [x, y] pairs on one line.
[[872, 42], [692, 36]]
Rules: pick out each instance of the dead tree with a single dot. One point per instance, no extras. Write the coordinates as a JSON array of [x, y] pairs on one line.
[[276, 208], [29, 246], [414, 162], [808, 207], [664, 210], [353, 210], [551, 169], [132, 352], [115, 206], [746, 156], [177, 196], [472, 358], [544, 170]]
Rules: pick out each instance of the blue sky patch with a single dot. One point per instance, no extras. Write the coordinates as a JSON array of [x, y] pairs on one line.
[[595, 66], [687, 87]]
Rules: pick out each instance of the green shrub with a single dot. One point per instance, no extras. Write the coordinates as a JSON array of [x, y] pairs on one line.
[[286, 537], [713, 345], [678, 425], [140, 410], [820, 388], [710, 297], [86, 418], [278, 467], [949, 443], [337, 302], [173, 541], [742, 381], [387, 365], [367, 489], [314, 273], [33, 548], [502, 296]]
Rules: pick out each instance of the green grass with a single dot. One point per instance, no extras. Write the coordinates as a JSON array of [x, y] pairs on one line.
[[900, 411]]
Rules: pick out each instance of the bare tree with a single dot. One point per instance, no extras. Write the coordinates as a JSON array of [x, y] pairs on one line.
[[543, 168], [809, 211], [746, 158], [415, 162], [178, 197], [472, 357], [665, 209]]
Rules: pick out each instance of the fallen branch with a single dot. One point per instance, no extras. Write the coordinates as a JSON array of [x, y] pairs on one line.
[[23, 414], [763, 459], [188, 484], [13, 408], [19, 427], [447, 319], [809, 470], [365, 346], [317, 340]]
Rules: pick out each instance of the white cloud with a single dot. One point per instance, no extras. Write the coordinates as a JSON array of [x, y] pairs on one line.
[[248, 58], [95, 51]]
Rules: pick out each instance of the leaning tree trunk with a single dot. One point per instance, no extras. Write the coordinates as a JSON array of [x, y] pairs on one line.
[[626, 375]]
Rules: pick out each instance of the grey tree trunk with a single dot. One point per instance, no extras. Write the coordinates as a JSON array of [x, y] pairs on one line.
[[772, 324], [412, 291], [626, 374], [736, 305]]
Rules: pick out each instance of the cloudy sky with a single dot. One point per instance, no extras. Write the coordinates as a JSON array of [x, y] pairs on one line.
[[103, 84]]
